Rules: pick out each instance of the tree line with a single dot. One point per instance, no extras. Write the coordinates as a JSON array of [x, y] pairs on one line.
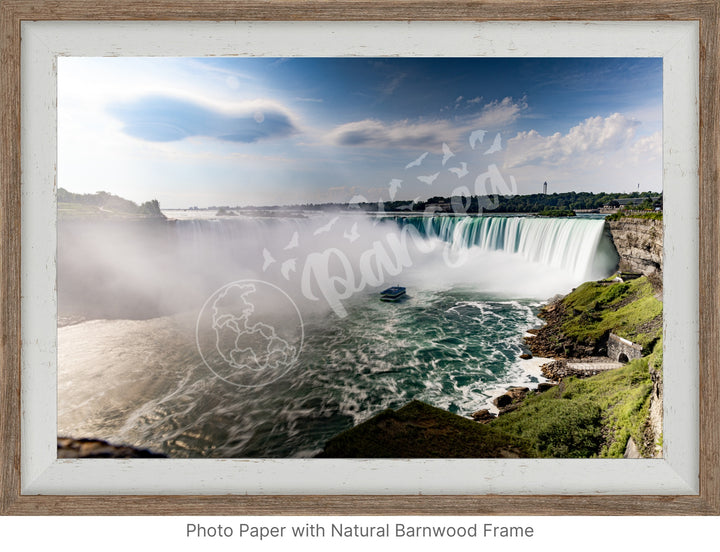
[[110, 202]]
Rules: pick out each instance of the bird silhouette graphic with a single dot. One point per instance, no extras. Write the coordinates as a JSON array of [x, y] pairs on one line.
[[393, 187], [268, 259], [326, 228], [460, 171], [293, 242], [496, 145], [429, 179], [287, 267], [447, 153], [417, 161], [353, 234], [477, 136]]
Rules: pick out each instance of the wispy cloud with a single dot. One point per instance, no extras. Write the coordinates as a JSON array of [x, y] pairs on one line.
[[498, 114], [164, 118], [389, 87], [400, 134], [426, 134], [210, 67]]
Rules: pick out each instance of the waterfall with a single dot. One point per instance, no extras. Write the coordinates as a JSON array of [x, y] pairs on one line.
[[142, 269], [579, 246]]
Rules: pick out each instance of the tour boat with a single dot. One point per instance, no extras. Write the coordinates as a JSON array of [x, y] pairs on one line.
[[392, 294]]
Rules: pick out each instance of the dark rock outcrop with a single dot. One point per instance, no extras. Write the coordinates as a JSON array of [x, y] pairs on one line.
[[418, 430], [95, 448], [483, 416], [512, 398], [550, 342]]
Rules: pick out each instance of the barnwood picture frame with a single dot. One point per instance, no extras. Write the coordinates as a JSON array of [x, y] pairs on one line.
[[12, 500]]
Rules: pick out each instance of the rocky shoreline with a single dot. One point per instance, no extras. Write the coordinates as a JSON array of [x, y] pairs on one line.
[[509, 401], [554, 370], [561, 353], [577, 334]]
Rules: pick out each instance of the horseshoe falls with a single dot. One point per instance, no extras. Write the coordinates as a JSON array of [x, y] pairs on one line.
[[577, 246], [140, 361]]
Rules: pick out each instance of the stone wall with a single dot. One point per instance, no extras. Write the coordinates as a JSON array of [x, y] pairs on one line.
[[639, 242], [617, 347]]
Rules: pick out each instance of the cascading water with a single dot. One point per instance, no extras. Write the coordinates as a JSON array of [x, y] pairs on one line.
[[133, 372], [578, 246]]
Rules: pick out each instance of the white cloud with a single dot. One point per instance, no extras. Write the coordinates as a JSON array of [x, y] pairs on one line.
[[498, 114], [601, 154], [586, 142], [649, 147]]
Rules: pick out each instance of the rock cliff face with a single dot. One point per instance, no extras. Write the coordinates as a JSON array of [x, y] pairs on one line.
[[654, 433], [639, 244]]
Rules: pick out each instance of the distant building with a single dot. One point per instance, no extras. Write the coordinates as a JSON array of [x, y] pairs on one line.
[[628, 203], [544, 188], [439, 204], [631, 201]]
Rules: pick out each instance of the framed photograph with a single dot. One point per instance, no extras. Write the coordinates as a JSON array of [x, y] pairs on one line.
[[359, 258]]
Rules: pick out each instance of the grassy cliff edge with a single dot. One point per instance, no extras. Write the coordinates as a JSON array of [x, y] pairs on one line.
[[589, 417]]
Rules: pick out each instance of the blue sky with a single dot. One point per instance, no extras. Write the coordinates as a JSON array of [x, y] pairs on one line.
[[265, 131]]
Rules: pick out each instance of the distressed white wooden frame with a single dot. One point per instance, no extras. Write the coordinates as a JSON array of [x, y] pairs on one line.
[[676, 474]]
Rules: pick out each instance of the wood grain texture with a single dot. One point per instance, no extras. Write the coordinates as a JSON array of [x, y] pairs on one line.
[[361, 10], [12, 12], [361, 505], [9, 257], [710, 259]]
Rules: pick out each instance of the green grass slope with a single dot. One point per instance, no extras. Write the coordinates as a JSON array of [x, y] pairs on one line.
[[628, 309], [580, 323], [591, 417]]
